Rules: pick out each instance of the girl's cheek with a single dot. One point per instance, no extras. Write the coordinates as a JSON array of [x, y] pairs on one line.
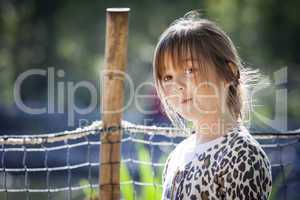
[[206, 100], [167, 91], [172, 98], [205, 105]]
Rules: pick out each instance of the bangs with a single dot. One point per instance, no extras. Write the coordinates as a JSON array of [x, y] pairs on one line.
[[175, 49]]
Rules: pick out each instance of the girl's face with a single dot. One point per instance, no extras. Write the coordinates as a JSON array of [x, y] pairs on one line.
[[190, 93]]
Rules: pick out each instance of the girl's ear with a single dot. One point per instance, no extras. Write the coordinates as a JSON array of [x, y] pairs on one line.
[[233, 68], [227, 84]]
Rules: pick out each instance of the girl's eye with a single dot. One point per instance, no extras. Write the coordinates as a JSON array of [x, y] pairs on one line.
[[167, 78], [189, 70]]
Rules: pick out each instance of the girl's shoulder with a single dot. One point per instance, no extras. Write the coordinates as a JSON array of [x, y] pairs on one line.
[[185, 145], [242, 145], [248, 164], [243, 140]]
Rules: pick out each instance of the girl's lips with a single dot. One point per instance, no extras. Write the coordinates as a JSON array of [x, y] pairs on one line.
[[186, 100]]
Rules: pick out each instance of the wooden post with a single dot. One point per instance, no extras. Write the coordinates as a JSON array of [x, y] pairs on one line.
[[112, 101]]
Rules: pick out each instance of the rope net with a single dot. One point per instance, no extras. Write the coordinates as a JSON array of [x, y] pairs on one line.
[[65, 165]]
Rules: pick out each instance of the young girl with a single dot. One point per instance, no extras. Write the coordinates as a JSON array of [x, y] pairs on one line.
[[200, 79]]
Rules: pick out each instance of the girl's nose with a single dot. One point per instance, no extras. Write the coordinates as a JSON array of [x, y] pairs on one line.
[[180, 84]]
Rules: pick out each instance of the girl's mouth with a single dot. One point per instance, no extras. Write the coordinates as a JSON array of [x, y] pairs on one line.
[[186, 100]]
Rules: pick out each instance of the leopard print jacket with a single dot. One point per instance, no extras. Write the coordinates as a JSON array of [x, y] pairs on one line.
[[234, 168]]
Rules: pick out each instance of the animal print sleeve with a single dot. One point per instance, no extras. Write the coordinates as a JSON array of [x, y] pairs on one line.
[[249, 175]]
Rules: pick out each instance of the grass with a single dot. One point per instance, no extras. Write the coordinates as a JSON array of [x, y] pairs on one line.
[[146, 174]]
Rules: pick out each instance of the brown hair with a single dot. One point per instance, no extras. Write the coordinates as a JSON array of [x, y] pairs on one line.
[[205, 42]]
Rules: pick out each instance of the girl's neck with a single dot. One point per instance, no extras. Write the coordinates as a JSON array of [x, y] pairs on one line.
[[211, 127]]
